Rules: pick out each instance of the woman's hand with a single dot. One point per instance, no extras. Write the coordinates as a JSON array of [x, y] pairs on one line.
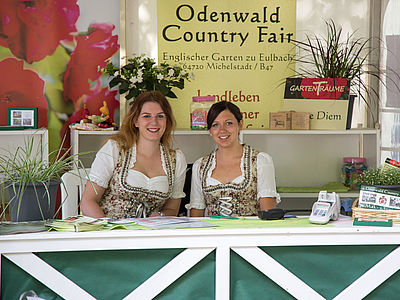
[[171, 207], [90, 200]]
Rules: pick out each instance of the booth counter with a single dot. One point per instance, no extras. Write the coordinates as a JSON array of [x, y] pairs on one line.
[[338, 261]]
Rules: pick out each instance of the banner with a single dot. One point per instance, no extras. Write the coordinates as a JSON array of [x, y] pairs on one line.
[[238, 51]]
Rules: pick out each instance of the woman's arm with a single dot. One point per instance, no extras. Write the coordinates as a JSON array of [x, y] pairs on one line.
[[197, 203], [90, 200], [266, 186], [100, 172]]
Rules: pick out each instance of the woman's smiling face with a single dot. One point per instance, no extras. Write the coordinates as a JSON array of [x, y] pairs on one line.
[[225, 129], [151, 121]]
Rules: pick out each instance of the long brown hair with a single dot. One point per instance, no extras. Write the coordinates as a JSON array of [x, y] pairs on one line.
[[129, 133]]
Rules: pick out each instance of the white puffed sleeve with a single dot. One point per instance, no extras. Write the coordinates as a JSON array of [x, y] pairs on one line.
[[266, 186], [196, 195], [180, 175], [104, 164]]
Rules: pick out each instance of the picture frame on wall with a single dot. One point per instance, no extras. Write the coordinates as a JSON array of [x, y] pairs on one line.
[[26, 117]]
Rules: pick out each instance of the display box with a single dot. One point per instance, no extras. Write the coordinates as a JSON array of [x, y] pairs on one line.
[[300, 120], [325, 98], [285, 120], [280, 120]]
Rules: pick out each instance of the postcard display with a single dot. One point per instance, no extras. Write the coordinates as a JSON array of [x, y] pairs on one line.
[[378, 198], [326, 99]]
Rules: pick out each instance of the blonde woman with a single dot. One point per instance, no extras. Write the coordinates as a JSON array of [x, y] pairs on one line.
[[136, 173]]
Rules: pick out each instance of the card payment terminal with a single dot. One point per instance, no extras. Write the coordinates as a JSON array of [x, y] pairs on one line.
[[326, 208]]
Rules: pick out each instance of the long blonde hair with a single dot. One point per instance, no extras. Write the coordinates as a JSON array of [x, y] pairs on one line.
[[129, 133]]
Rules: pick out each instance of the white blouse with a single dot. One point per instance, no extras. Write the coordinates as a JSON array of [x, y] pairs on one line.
[[266, 186], [107, 158]]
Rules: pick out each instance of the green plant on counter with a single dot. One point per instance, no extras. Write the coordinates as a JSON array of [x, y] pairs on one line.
[[26, 166], [379, 176]]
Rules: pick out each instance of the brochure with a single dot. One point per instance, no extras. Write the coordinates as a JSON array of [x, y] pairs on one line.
[[378, 198], [172, 222], [22, 227], [78, 223]]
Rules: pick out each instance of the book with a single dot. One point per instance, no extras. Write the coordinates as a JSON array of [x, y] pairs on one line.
[[76, 224]]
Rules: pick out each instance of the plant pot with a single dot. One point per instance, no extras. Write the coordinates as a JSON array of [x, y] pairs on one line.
[[389, 187], [33, 205]]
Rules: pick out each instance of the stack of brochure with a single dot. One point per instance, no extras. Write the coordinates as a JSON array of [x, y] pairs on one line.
[[21, 227], [172, 223], [78, 223]]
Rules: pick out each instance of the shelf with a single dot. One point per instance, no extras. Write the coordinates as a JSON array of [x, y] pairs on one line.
[[309, 132], [190, 132], [95, 132], [353, 194], [301, 157], [282, 132], [249, 132], [24, 132]]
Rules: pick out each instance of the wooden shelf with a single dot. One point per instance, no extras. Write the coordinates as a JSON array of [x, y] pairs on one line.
[[353, 194], [96, 132], [282, 132]]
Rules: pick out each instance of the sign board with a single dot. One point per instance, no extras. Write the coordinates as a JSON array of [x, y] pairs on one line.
[[238, 51], [326, 99]]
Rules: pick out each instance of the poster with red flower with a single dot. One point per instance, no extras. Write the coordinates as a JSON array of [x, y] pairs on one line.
[[51, 56]]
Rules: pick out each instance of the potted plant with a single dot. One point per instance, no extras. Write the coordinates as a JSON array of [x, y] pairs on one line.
[[141, 74], [388, 178], [339, 56], [31, 181]]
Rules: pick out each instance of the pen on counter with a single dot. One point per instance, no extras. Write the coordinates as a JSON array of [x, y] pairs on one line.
[[222, 217]]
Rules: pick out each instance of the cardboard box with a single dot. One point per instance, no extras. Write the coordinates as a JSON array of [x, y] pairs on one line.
[[285, 120], [300, 120], [280, 120]]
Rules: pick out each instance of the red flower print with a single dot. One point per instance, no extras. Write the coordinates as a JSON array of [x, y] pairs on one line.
[[33, 29], [87, 59], [21, 88]]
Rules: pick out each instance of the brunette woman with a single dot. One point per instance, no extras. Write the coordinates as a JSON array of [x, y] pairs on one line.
[[235, 179]]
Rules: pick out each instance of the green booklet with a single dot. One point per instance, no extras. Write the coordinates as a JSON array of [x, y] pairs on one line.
[[77, 223]]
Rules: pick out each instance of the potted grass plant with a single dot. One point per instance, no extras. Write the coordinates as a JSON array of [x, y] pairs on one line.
[[31, 180], [388, 178], [337, 55]]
